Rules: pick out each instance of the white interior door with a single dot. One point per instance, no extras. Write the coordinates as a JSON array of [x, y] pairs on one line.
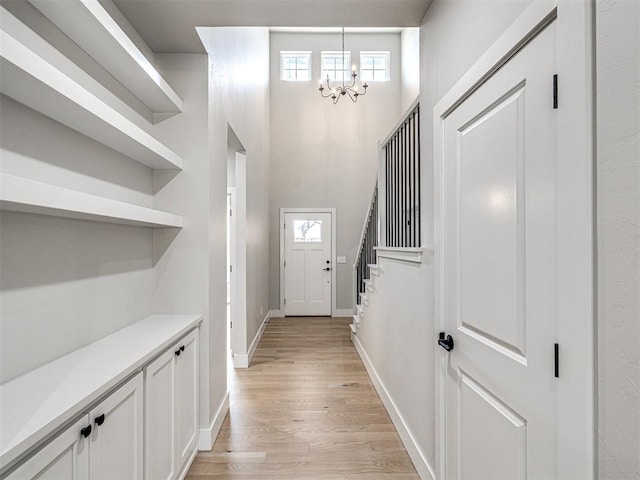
[[308, 263], [498, 270]]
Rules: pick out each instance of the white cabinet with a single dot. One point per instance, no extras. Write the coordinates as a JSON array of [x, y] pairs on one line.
[[116, 448], [104, 444], [65, 458], [160, 417], [171, 409], [186, 390]]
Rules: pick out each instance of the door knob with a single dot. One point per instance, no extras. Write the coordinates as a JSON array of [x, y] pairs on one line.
[[86, 431], [326, 269], [100, 420], [446, 343]]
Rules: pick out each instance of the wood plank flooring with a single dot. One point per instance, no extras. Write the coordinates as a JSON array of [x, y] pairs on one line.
[[305, 409]]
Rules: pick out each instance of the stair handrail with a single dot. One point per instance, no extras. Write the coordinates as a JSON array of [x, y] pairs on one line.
[[364, 226]]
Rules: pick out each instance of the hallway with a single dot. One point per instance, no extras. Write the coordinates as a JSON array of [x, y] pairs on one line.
[[305, 409]]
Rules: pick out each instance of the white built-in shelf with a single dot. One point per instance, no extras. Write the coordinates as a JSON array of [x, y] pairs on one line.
[[28, 196], [38, 403], [91, 26], [27, 76]]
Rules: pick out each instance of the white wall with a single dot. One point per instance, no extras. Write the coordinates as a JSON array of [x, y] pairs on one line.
[[239, 97], [618, 167], [325, 155], [410, 65], [181, 277]]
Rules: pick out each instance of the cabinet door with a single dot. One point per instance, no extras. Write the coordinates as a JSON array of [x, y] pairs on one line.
[[187, 399], [116, 450], [65, 458], [160, 420]]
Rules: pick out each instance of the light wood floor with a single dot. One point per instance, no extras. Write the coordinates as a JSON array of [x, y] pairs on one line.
[[305, 409]]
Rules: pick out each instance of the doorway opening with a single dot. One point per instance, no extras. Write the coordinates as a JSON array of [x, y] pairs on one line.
[[236, 250]]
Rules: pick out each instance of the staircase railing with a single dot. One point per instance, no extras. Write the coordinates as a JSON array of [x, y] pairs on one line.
[[368, 242], [397, 225], [401, 157]]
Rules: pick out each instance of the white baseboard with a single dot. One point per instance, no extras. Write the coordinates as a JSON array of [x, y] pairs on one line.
[[243, 361], [276, 314], [423, 467], [343, 312], [240, 361], [207, 436]]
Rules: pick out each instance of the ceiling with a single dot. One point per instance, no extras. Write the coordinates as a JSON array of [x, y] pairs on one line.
[[168, 26]]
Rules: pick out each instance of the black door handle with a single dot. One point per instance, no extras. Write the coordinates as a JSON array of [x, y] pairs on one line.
[[326, 269], [99, 420], [446, 343], [86, 431]]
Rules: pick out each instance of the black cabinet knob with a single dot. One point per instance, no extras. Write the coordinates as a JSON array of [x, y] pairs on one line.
[[177, 352], [182, 348], [446, 343], [99, 419], [86, 431]]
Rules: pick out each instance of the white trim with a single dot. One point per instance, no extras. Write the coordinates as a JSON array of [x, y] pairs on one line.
[[240, 360], [343, 312], [406, 254], [575, 245], [334, 282], [243, 361], [424, 469], [258, 337], [207, 436]]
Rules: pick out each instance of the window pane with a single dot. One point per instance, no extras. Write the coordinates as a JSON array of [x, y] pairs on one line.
[[374, 66], [295, 66], [335, 66], [305, 231]]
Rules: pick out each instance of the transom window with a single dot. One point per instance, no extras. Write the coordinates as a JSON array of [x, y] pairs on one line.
[[295, 66], [374, 66], [335, 67]]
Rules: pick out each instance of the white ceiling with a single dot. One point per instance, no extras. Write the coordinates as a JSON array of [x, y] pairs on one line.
[[169, 25]]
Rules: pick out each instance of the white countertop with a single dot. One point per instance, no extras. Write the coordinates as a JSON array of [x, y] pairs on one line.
[[37, 403]]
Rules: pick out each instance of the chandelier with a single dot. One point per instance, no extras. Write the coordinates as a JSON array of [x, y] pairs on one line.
[[335, 92]]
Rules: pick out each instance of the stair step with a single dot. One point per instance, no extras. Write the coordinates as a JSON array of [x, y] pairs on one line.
[[374, 268], [353, 329]]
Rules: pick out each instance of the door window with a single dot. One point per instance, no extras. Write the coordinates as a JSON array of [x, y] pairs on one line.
[[306, 231]]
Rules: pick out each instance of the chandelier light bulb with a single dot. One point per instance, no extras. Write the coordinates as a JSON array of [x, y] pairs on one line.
[[351, 90]]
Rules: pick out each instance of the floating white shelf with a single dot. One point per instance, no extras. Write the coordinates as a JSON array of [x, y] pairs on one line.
[[35, 404], [89, 25], [29, 78], [22, 195]]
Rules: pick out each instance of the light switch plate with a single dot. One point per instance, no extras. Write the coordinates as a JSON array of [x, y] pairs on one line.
[[342, 259]]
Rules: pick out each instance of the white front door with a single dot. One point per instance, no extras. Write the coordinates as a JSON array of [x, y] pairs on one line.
[[307, 263], [499, 277]]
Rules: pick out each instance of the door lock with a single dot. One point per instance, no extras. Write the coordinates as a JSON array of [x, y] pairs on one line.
[[446, 343]]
